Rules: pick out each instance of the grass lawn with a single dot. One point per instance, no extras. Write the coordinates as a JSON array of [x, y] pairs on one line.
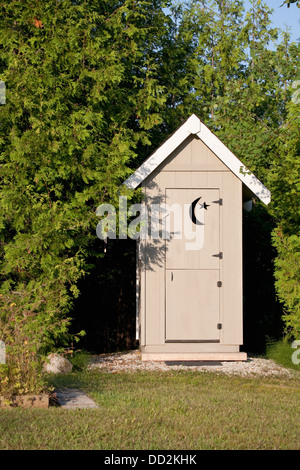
[[175, 410]]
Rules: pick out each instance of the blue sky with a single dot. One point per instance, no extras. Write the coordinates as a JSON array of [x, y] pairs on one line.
[[283, 16]]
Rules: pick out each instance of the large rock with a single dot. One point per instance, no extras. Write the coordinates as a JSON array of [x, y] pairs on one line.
[[56, 364]]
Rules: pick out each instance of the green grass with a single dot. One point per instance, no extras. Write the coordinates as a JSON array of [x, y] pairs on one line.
[[283, 353], [163, 411], [80, 360]]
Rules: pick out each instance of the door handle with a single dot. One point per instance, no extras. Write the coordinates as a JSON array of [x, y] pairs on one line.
[[172, 277]]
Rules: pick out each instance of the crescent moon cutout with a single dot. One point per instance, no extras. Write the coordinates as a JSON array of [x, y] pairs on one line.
[[192, 212]]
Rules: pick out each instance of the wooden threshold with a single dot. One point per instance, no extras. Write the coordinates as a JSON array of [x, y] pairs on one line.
[[200, 356]]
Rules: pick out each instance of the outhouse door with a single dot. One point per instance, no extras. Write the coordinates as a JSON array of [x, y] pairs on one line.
[[192, 265]]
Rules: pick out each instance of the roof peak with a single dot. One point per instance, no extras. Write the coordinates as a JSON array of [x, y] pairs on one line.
[[194, 126]]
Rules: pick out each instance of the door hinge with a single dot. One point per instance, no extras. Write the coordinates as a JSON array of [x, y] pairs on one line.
[[219, 255], [219, 283], [219, 201], [219, 326]]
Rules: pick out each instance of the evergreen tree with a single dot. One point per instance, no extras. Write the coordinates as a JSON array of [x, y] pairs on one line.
[[285, 180], [82, 92]]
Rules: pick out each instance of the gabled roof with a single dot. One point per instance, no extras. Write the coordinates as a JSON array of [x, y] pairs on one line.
[[193, 126]]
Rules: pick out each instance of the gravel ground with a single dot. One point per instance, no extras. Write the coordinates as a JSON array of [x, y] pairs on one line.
[[130, 361]]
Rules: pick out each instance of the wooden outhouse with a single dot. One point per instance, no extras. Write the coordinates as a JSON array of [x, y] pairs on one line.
[[189, 281]]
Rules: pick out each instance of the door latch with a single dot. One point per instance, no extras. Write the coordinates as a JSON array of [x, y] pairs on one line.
[[219, 255], [219, 201]]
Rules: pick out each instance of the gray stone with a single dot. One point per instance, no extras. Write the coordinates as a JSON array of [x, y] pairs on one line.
[[56, 364], [73, 398]]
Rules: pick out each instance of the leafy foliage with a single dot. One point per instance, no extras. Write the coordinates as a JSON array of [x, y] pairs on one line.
[[289, 2], [82, 92], [26, 332], [285, 180]]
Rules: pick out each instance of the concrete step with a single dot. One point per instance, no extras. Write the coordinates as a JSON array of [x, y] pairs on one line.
[[73, 398]]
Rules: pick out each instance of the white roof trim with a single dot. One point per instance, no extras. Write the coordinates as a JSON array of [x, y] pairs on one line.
[[195, 127]]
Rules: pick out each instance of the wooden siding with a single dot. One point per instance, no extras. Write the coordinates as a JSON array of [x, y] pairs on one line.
[[193, 165]]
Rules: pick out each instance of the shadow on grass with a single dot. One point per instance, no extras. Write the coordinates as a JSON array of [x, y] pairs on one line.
[[77, 380]]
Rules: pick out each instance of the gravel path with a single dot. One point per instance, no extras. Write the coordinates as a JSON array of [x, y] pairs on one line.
[[131, 362]]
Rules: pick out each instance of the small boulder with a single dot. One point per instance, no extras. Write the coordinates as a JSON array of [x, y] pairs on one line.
[[56, 364]]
